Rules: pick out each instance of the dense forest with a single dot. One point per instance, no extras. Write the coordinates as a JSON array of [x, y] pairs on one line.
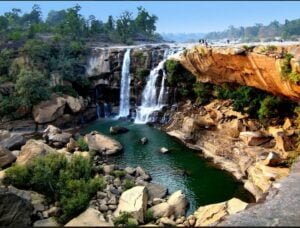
[[290, 30], [33, 50]]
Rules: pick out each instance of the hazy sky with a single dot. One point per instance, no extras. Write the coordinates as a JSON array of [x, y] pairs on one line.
[[180, 16]]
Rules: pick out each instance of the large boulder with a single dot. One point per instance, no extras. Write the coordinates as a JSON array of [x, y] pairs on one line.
[[75, 104], [179, 203], [102, 143], [15, 209], [14, 142], [49, 222], [117, 130], [4, 134], [161, 210], [156, 191], [6, 157], [33, 149], [90, 218], [209, 214], [56, 137], [48, 111], [133, 201]]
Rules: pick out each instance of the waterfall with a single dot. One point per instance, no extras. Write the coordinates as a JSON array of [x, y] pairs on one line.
[[150, 101], [125, 86]]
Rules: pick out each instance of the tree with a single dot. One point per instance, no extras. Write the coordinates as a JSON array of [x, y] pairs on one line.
[[144, 22], [32, 87], [56, 18], [125, 27]]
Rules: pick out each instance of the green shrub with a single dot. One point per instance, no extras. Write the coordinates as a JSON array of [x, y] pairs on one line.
[[32, 87], [294, 77], [172, 68], [69, 182], [269, 48], [119, 173], [203, 91], [83, 146], [9, 106], [65, 89], [128, 184], [286, 67], [123, 219], [149, 216], [142, 74]]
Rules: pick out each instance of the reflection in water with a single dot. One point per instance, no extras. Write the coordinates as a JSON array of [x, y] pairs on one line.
[[181, 169]]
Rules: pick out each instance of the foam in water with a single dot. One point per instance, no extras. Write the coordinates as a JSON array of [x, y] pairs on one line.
[[150, 101], [125, 86]]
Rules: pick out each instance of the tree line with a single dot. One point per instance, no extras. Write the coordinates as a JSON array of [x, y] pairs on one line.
[[289, 30], [69, 23]]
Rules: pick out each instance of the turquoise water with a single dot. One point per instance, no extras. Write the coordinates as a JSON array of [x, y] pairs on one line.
[[203, 184]]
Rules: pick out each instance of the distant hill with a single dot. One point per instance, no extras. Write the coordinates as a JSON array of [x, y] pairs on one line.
[[182, 37], [289, 30]]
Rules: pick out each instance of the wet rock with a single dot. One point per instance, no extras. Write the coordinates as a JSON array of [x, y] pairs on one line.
[[90, 217], [144, 140], [14, 142], [164, 150], [133, 201], [102, 143], [130, 170], [156, 191], [6, 157], [33, 149], [179, 202], [117, 130], [142, 174]]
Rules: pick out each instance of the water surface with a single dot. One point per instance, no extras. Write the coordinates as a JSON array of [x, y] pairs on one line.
[[203, 183]]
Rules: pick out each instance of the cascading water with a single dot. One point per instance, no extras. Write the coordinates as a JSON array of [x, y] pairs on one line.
[[125, 86], [150, 101]]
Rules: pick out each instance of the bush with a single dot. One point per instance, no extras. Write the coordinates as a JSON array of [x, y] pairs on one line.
[[148, 216], [142, 74], [203, 91], [286, 67], [9, 106], [32, 87], [119, 173], [69, 182], [65, 89], [83, 146], [124, 219], [128, 184]]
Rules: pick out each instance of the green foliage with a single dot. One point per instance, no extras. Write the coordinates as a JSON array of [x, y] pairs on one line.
[[83, 146], [203, 91], [148, 217], [65, 89], [6, 57], [269, 48], [118, 173], [9, 106], [294, 77], [69, 182], [128, 184], [172, 68], [286, 67], [142, 74], [32, 87], [123, 219]]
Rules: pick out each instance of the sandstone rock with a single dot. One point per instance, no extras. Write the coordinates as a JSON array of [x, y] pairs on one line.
[[4, 134], [107, 169], [49, 222], [54, 211], [142, 174], [164, 150], [15, 208], [253, 138], [6, 157], [48, 111], [209, 214], [14, 142], [156, 191], [102, 143], [117, 130], [179, 202], [167, 222], [161, 210], [130, 170], [287, 124], [75, 104], [90, 217], [133, 201], [33, 149], [71, 145], [232, 128], [273, 159]]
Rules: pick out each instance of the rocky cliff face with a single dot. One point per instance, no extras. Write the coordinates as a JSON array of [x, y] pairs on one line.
[[258, 67]]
